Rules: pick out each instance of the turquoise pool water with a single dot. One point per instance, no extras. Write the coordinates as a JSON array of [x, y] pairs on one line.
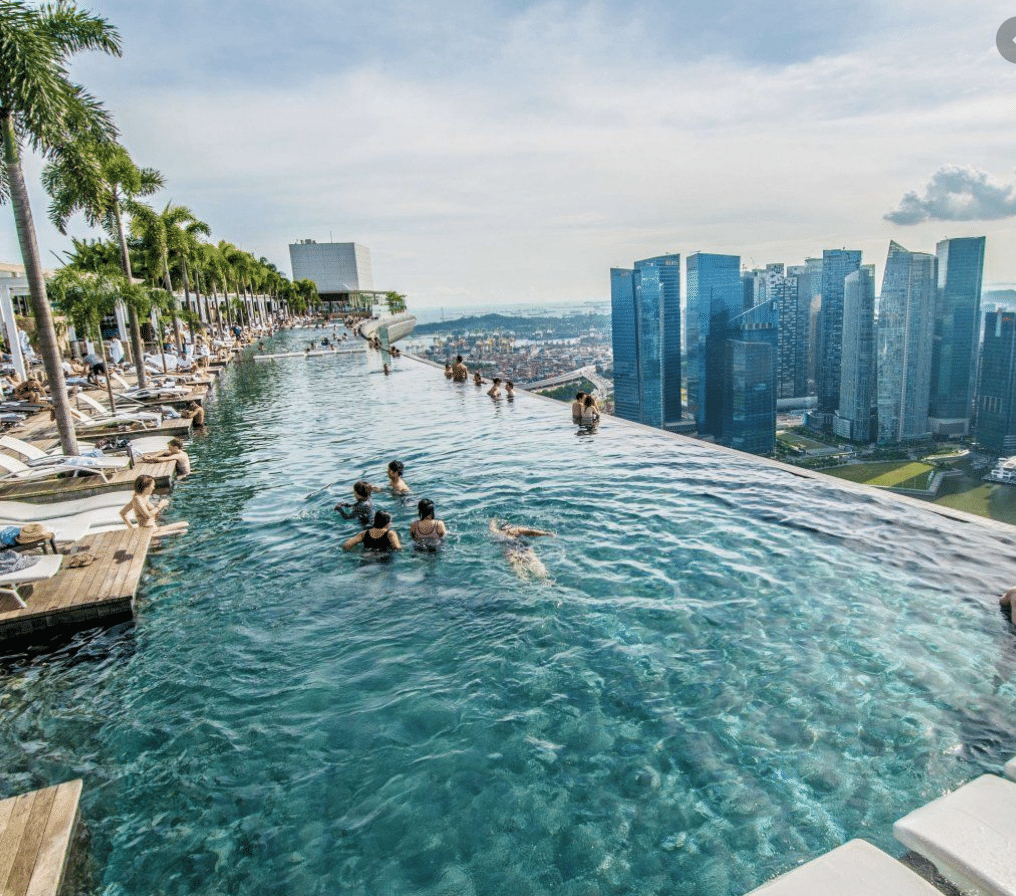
[[729, 670]]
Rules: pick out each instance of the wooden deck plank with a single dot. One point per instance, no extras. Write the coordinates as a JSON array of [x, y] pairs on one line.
[[46, 491], [29, 843], [55, 848], [10, 834], [77, 597]]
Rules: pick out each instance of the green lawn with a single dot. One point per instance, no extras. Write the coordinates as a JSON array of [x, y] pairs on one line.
[[799, 441], [893, 474]]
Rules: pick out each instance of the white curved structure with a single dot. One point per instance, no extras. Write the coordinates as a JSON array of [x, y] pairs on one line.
[[399, 326]]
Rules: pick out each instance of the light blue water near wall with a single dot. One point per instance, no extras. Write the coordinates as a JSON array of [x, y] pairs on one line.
[[730, 670]]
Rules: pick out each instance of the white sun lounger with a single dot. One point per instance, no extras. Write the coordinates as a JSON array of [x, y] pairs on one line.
[[69, 529], [45, 568], [57, 465], [969, 835], [21, 512], [855, 869], [102, 416], [1010, 769], [9, 443]]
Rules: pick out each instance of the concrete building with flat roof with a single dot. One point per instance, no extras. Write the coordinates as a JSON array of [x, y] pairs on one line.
[[341, 271]]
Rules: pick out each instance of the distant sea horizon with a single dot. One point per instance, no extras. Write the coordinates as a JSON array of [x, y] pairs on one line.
[[426, 314]]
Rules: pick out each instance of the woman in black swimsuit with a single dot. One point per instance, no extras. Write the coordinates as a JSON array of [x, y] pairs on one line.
[[379, 538]]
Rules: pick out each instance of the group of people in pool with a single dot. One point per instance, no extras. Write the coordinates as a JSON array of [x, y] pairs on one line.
[[377, 536], [459, 373], [584, 411]]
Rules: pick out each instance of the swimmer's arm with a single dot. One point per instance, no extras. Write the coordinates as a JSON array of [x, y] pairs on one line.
[[532, 533], [441, 530], [353, 542], [346, 514], [126, 509], [393, 539]]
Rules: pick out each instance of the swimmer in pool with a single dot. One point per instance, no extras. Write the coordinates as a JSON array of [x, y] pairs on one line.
[[395, 479], [363, 509], [495, 390], [427, 532], [380, 538], [1008, 602], [577, 406], [523, 560]]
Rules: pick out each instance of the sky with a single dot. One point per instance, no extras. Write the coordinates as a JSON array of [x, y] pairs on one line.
[[496, 152]]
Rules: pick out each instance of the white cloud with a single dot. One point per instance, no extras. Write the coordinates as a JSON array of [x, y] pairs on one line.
[[955, 193], [583, 140]]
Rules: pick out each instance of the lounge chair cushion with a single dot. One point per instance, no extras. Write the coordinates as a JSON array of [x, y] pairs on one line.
[[969, 835], [855, 869]]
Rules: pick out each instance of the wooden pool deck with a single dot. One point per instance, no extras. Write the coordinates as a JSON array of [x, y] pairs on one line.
[[36, 833], [47, 491], [81, 597]]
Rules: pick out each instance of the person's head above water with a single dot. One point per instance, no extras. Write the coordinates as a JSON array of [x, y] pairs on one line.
[[589, 401], [175, 443], [458, 359], [396, 467], [361, 488], [579, 396], [381, 519], [426, 508]]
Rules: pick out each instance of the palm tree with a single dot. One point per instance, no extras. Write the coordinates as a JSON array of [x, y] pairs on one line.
[[173, 231], [42, 108], [87, 297], [102, 201]]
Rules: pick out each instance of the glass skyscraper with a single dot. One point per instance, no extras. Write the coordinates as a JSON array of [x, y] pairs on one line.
[[749, 380], [906, 325], [996, 386], [836, 265], [957, 330], [646, 336], [715, 298], [853, 419]]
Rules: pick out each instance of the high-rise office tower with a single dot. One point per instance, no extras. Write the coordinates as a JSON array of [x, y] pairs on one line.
[[957, 331], [748, 380], [715, 298], [836, 265], [791, 359], [646, 335], [853, 418], [996, 386], [906, 325], [809, 292]]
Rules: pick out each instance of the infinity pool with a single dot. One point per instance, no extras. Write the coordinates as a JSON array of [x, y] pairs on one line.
[[729, 670]]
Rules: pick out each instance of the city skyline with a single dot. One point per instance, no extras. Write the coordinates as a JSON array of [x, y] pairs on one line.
[[748, 131]]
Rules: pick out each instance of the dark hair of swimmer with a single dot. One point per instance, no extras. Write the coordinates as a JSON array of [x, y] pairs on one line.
[[397, 466], [426, 508], [579, 396], [175, 443], [361, 488], [458, 359], [589, 401], [381, 519], [142, 482], [497, 380]]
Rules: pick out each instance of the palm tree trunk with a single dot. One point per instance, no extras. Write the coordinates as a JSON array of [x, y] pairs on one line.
[[132, 316], [109, 380], [186, 298], [172, 308], [37, 287]]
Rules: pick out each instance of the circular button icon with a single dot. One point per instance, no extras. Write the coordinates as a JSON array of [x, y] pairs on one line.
[[1005, 40]]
